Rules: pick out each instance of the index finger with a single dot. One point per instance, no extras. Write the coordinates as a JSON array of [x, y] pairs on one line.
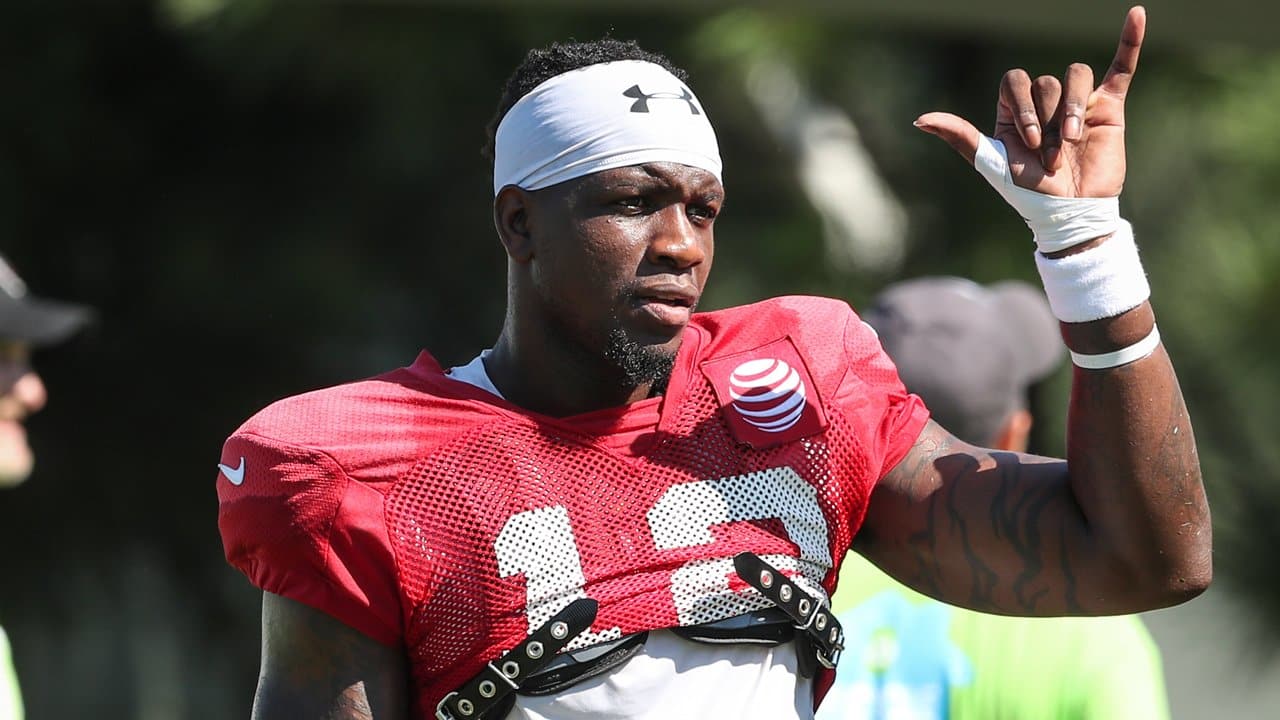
[[1125, 63]]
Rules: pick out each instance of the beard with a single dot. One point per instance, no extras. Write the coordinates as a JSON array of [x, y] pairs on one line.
[[636, 363], [639, 364]]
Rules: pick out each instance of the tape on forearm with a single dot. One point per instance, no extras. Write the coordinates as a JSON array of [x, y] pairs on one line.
[[1121, 357], [1056, 222], [1100, 282]]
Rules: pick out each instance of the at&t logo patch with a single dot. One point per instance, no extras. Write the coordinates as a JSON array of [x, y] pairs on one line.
[[766, 395]]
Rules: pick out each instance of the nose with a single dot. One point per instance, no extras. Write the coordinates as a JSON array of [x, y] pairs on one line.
[[29, 390], [677, 243]]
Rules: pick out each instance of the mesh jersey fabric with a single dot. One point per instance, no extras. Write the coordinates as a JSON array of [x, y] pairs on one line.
[[428, 513]]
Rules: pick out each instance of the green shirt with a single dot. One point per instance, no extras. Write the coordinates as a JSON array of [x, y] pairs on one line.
[[908, 657], [10, 698]]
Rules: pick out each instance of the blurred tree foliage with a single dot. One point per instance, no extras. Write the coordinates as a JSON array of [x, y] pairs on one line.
[[262, 198]]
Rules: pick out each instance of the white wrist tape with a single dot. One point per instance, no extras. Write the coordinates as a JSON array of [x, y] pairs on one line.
[[1100, 282], [1123, 356], [1056, 222]]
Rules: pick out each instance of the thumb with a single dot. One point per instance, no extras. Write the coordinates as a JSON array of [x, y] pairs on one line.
[[959, 133]]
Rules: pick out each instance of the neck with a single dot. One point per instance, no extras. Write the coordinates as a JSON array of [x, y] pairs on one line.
[[537, 373]]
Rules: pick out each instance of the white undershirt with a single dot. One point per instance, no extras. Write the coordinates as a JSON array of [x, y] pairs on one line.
[[670, 677], [473, 373], [674, 679]]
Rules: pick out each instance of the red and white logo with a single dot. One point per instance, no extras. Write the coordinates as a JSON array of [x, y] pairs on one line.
[[766, 395]]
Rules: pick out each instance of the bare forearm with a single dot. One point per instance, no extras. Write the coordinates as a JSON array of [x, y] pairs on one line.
[[1135, 472]]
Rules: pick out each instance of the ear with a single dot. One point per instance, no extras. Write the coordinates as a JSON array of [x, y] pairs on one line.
[[511, 220], [1015, 433]]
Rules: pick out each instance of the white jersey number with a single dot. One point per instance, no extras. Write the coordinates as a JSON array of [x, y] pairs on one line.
[[540, 544], [685, 514]]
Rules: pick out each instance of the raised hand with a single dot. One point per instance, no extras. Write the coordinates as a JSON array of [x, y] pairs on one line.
[[1063, 137]]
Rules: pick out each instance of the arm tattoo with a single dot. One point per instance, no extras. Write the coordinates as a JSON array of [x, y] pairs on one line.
[[983, 530], [982, 577], [923, 546], [1017, 512], [351, 704]]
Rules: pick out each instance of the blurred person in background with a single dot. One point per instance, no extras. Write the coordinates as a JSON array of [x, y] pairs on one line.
[[973, 353], [666, 496], [26, 322]]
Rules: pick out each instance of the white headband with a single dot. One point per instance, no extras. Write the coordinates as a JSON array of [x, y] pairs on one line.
[[599, 117]]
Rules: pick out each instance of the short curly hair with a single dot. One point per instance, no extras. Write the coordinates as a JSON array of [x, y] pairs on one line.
[[543, 64]]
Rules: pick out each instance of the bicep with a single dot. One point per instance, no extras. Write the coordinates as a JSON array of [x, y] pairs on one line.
[[993, 531], [314, 666]]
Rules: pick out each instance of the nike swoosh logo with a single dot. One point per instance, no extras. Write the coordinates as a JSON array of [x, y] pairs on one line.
[[234, 474]]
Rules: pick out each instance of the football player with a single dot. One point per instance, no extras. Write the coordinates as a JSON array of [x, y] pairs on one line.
[[626, 508]]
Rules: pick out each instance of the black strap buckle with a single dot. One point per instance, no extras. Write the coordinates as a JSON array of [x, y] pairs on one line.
[[571, 668], [505, 675], [767, 626], [815, 621]]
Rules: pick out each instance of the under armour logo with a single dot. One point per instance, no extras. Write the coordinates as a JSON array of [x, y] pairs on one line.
[[641, 105]]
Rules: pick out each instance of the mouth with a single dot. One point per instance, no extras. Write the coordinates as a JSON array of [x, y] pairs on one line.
[[669, 306]]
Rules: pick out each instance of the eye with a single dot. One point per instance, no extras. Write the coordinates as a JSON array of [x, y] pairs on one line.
[[703, 212], [632, 203]]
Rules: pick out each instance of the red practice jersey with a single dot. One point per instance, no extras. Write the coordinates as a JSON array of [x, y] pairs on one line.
[[431, 514]]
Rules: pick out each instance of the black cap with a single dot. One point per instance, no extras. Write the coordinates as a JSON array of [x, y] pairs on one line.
[[970, 351], [33, 320]]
